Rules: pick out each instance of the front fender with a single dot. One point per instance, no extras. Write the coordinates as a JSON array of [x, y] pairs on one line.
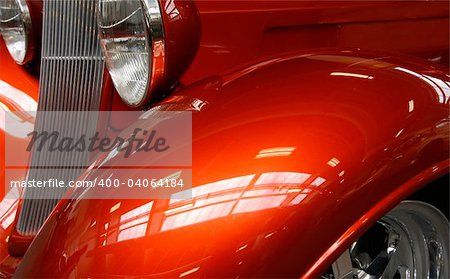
[[295, 156]]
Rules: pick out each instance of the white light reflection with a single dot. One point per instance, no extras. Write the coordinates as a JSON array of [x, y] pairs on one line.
[[237, 182], [115, 207], [186, 273], [334, 162], [351, 75], [171, 9], [229, 196], [198, 215], [133, 224], [318, 181], [242, 248], [298, 199], [179, 208], [282, 178], [445, 89], [275, 152], [136, 229], [294, 190], [269, 235], [8, 207], [256, 204], [411, 106], [442, 88], [17, 111]]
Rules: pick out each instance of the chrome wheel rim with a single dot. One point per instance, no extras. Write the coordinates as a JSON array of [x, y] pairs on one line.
[[410, 242]]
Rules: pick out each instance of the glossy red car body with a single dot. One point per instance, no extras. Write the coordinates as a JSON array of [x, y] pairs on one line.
[[363, 130]]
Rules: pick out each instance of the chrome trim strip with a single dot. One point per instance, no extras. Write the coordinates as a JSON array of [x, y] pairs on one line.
[[29, 40], [156, 37]]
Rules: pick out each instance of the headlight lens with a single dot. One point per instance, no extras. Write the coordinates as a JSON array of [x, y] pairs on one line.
[[131, 35], [15, 25]]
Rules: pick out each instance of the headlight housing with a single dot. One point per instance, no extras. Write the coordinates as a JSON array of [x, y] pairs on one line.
[[15, 27], [147, 44], [132, 39]]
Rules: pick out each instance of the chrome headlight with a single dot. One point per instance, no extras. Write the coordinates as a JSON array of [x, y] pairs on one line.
[[132, 39], [15, 26]]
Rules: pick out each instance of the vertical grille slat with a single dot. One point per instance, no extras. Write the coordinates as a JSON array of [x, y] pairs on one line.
[[71, 79]]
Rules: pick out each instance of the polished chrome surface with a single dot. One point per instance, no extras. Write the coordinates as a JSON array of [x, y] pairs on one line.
[[155, 25], [71, 78], [126, 47], [16, 27], [410, 242], [133, 42]]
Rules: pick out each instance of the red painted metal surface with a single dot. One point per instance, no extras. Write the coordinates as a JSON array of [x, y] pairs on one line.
[[349, 133], [183, 32], [243, 32], [18, 94], [236, 32], [356, 129]]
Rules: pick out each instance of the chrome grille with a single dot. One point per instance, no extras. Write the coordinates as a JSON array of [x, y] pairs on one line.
[[71, 78]]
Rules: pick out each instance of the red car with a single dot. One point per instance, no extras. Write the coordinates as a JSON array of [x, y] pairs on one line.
[[312, 137]]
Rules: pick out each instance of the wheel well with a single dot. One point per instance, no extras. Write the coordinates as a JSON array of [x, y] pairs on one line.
[[435, 193]]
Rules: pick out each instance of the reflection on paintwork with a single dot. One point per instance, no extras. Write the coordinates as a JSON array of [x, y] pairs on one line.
[[411, 106], [8, 207], [238, 74], [125, 226], [237, 195], [18, 105], [318, 181], [298, 199], [275, 152], [377, 62], [197, 215], [282, 178], [351, 75], [23, 100], [442, 88], [211, 201], [186, 273], [133, 224], [115, 207], [218, 186], [333, 162], [171, 10], [260, 203]]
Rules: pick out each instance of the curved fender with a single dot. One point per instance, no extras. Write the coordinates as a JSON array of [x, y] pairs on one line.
[[288, 156]]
